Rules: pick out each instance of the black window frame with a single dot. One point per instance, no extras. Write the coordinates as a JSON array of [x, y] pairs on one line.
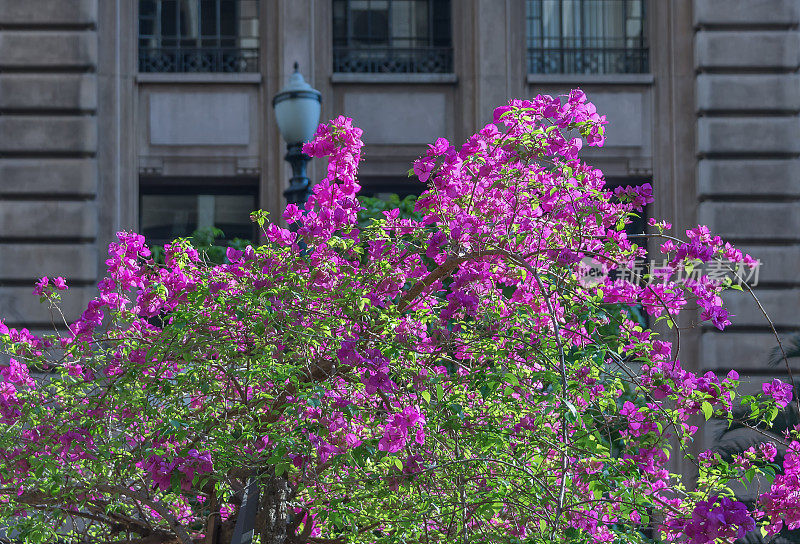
[[369, 53], [195, 50], [575, 51]]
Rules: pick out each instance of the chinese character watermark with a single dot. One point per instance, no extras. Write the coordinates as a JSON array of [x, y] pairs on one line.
[[592, 272]]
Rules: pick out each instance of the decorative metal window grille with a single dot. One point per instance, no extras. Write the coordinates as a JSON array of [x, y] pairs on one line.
[[195, 36], [587, 37], [392, 36]]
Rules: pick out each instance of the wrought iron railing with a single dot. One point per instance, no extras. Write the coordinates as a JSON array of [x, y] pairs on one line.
[[393, 60], [588, 60], [201, 59]]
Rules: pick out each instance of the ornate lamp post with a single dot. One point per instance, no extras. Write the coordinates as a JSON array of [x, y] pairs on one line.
[[297, 109]]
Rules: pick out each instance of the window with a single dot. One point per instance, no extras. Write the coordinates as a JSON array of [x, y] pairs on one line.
[[382, 186], [198, 35], [171, 208], [587, 37], [392, 36]]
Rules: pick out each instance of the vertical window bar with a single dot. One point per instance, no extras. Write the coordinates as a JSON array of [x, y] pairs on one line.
[[583, 30], [629, 60], [431, 24], [178, 44], [389, 18], [605, 41], [349, 25], [561, 35], [644, 64], [347, 22], [178, 26], [158, 24]]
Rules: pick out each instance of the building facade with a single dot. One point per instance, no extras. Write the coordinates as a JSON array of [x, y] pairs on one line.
[[155, 115]]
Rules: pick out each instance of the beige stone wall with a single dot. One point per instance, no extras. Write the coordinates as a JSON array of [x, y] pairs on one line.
[[48, 152], [747, 54], [748, 148]]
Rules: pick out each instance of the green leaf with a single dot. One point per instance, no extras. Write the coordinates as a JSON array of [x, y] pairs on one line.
[[398, 463], [571, 407], [512, 379], [426, 396], [707, 409]]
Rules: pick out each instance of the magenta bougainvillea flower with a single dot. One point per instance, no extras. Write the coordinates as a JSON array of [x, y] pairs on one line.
[[781, 392], [439, 376]]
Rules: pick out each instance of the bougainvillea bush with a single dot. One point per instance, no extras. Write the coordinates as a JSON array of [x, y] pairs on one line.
[[445, 379]]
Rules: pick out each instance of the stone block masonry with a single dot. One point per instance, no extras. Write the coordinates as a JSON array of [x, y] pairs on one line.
[[48, 153], [747, 56]]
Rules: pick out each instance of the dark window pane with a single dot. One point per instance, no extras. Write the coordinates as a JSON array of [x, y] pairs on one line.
[[442, 33], [339, 22], [169, 21], [146, 27], [376, 187], [208, 18], [228, 18], [147, 8], [370, 26], [173, 211], [166, 217], [421, 26]]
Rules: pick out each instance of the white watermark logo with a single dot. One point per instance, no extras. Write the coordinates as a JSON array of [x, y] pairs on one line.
[[591, 272]]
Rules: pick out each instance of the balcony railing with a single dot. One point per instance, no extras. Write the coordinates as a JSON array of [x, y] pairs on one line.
[[393, 60], [202, 59], [588, 60]]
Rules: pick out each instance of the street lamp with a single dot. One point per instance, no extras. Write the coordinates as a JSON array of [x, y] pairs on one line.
[[297, 109]]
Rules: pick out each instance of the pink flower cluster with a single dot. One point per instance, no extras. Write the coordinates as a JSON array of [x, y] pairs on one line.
[[161, 469], [13, 377], [719, 518], [396, 431], [781, 504], [779, 391], [43, 286]]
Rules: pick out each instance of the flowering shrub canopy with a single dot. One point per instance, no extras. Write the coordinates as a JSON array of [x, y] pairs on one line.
[[414, 380]]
